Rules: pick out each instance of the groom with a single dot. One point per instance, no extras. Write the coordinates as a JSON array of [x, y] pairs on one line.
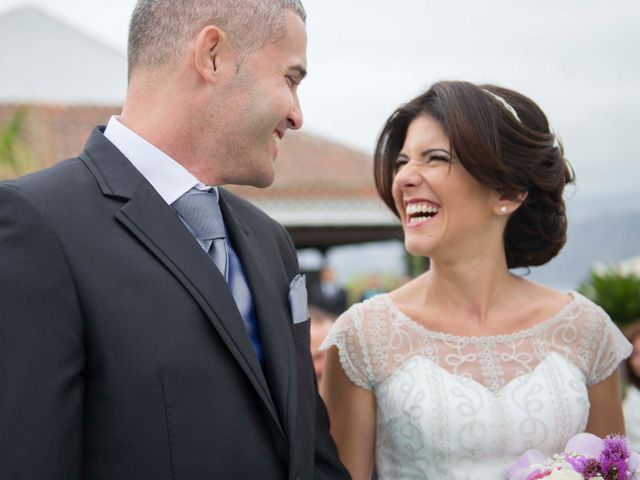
[[152, 325]]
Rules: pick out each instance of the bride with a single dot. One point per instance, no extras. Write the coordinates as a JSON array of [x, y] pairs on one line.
[[457, 373]]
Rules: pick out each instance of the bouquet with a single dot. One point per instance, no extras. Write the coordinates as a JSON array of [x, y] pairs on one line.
[[586, 457]]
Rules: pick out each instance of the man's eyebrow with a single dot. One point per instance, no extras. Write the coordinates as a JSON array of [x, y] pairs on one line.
[[300, 71]]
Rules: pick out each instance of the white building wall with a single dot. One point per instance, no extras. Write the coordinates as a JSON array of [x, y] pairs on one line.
[[43, 60]]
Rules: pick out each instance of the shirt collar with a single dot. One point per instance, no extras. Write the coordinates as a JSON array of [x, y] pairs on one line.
[[170, 179]]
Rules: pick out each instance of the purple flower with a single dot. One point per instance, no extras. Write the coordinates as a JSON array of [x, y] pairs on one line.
[[576, 461], [527, 466], [614, 470], [588, 467], [591, 468], [615, 446], [613, 458], [587, 455]]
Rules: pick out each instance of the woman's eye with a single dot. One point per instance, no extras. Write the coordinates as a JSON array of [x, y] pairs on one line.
[[438, 158], [399, 163]]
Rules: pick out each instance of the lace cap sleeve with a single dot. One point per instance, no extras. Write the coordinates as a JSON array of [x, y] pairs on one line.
[[354, 336], [608, 346]]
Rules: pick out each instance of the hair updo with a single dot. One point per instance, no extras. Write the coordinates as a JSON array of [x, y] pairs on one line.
[[511, 150]]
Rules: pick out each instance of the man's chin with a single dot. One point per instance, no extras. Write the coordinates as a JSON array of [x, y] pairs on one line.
[[266, 178], [263, 180], [263, 184]]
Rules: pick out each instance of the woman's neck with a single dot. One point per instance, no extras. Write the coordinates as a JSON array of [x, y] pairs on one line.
[[473, 288]]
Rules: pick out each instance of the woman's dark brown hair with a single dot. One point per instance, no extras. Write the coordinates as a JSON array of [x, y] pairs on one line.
[[509, 154], [632, 332]]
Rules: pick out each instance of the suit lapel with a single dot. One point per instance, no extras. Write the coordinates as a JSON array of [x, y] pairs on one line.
[[155, 224], [272, 313]]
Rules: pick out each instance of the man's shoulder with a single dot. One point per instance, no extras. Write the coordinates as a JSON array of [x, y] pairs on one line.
[[61, 175]]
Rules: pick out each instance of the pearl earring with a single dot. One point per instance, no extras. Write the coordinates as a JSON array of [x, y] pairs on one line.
[[503, 209]]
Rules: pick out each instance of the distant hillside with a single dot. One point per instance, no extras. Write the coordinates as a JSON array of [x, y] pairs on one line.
[[606, 238]]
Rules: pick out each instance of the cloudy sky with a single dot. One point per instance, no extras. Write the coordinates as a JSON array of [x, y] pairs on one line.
[[577, 58]]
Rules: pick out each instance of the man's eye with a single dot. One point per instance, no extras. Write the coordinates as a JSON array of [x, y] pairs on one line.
[[292, 81]]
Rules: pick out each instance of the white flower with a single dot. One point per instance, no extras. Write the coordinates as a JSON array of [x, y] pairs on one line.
[[564, 474]]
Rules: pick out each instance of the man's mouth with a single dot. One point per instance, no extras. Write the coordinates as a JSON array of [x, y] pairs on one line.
[[420, 212], [277, 136]]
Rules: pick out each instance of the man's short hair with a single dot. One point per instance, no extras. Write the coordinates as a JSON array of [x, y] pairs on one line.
[[160, 29]]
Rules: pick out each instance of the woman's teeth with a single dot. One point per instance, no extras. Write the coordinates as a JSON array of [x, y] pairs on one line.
[[420, 212]]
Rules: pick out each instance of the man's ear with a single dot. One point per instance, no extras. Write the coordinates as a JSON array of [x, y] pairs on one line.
[[506, 206], [213, 57]]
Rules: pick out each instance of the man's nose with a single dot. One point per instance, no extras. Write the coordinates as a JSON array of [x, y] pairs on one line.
[[295, 116]]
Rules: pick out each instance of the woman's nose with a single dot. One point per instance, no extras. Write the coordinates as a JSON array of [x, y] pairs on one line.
[[408, 177]]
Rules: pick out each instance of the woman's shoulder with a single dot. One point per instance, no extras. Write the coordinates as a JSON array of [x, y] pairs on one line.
[[556, 308], [587, 314], [377, 309], [587, 335], [362, 337], [577, 326]]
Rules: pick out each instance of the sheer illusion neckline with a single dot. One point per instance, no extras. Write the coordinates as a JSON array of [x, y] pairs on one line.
[[498, 338]]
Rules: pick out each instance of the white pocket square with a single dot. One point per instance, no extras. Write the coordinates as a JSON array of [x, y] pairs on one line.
[[298, 299]]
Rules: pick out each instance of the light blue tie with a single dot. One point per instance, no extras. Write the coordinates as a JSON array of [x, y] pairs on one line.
[[201, 211]]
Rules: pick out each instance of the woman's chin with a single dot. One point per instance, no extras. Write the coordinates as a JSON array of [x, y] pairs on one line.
[[417, 248]]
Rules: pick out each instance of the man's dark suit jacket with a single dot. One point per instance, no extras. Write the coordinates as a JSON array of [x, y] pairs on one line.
[[122, 353]]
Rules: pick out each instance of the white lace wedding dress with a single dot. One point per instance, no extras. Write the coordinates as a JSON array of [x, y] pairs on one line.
[[453, 407]]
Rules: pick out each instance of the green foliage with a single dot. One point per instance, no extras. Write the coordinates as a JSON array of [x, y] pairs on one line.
[[616, 292], [15, 156], [417, 265], [9, 138]]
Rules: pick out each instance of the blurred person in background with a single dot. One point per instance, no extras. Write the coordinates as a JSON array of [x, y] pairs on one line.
[[321, 323], [631, 403], [327, 293]]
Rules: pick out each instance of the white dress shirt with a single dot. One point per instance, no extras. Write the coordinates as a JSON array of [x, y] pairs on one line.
[[170, 179]]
